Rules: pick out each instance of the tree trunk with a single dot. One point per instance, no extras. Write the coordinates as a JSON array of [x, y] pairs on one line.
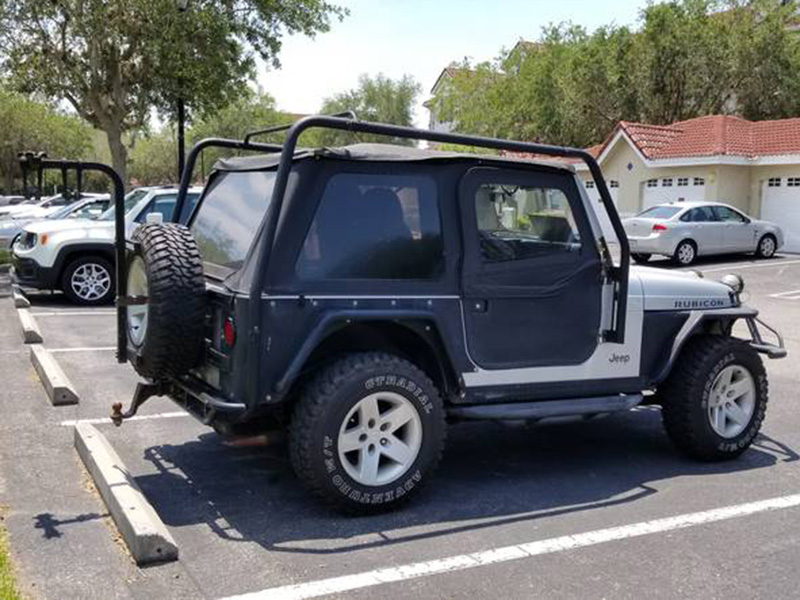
[[119, 153]]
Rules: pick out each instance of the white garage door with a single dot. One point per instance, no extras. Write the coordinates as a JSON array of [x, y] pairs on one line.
[[780, 203], [673, 189], [600, 211]]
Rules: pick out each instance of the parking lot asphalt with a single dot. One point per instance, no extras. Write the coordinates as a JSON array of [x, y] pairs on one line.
[[244, 525]]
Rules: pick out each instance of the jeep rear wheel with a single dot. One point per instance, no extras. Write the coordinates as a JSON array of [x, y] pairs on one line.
[[166, 329], [367, 432], [714, 401]]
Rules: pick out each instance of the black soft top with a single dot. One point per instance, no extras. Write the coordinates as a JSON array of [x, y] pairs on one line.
[[375, 153]]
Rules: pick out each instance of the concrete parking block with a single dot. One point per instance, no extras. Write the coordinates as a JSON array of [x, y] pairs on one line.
[[57, 385], [20, 300], [145, 534], [30, 329]]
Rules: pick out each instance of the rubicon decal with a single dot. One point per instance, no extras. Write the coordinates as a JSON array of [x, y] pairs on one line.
[[701, 303]]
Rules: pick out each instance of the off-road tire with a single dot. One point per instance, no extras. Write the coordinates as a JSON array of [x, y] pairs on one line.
[[677, 258], [321, 410], [74, 265], [174, 337], [761, 250], [641, 258], [685, 394]]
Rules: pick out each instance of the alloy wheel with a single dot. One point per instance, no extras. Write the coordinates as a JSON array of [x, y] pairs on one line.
[[731, 401], [380, 438], [137, 313], [90, 282]]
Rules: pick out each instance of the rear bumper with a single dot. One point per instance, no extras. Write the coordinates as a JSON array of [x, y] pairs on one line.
[[652, 244]]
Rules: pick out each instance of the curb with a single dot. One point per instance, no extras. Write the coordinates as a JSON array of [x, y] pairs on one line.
[[20, 300], [31, 333], [143, 531], [57, 385]]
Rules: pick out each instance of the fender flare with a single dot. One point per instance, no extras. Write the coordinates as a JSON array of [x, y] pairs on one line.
[[333, 320], [693, 323]]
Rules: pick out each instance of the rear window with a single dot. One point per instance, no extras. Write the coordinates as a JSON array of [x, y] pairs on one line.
[[374, 227], [229, 215], [660, 212]]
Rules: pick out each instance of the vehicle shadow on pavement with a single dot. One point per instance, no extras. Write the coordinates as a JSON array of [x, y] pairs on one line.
[[491, 475], [716, 260]]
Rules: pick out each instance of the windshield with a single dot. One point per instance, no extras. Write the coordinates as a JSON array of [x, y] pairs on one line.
[[660, 212], [131, 200], [228, 217]]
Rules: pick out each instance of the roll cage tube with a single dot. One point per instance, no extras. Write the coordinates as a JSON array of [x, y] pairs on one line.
[[268, 229], [40, 163]]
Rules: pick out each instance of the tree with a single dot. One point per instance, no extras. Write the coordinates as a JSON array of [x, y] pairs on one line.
[[116, 60], [689, 58], [152, 159], [378, 98], [30, 125]]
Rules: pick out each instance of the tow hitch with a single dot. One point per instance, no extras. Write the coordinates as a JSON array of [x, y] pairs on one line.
[[144, 391]]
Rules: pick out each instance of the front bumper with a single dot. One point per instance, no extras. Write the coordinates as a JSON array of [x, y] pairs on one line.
[[29, 273]]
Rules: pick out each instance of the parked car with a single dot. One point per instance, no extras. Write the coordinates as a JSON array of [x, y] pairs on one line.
[[11, 200], [361, 298], [683, 231], [44, 207], [77, 255], [88, 208]]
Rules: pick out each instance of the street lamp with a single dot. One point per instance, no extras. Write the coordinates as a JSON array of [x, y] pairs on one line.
[[182, 6]]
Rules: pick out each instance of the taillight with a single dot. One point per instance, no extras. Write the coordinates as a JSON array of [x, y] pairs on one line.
[[228, 333], [659, 227]]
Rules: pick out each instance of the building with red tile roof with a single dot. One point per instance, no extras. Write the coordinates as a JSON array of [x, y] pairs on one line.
[[753, 165]]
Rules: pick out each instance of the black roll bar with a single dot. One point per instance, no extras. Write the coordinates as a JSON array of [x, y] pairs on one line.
[[40, 162], [268, 231], [347, 114], [191, 161]]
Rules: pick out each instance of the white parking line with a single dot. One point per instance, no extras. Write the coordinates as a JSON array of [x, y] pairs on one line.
[[74, 313], [771, 263], [334, 585], [791, 295], [107, 420], [85, 349]]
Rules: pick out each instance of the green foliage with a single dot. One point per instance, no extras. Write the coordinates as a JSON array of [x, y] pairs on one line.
[[154, 159], [378, 98], [689, 58], [116, 60], [30, 125], [8, 590]]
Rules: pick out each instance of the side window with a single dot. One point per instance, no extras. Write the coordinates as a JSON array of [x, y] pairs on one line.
[[703, 214], [518, 222], [728, 215], [374, 227], [163, 204]]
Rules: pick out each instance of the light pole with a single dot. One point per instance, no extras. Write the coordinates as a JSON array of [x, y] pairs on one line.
[[182, 6]]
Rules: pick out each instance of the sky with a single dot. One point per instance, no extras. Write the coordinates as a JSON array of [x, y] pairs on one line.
[[419, 38]]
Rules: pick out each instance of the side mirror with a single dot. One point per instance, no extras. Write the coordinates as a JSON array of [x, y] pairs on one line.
[[155, 217]]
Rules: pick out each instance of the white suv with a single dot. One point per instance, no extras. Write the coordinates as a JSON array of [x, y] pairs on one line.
[[77, 256]]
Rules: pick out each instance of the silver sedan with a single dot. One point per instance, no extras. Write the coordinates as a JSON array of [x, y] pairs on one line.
[[683, 231]]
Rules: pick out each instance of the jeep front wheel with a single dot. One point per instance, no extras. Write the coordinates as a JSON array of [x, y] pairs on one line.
[[714, 401], [367, 432], [89, 280]]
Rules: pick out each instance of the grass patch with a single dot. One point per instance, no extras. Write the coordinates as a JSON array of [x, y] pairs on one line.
[[8, 590]]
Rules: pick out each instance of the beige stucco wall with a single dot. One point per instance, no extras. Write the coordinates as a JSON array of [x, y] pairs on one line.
[[739, 185]]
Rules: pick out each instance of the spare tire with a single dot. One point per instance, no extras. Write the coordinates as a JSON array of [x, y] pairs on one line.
[[166, 332]]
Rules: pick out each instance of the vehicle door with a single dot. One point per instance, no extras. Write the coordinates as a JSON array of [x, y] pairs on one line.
[[739, 234], [531, 274], [703, 226]]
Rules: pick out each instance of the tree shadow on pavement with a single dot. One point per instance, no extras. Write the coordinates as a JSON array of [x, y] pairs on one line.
[[492, 474]]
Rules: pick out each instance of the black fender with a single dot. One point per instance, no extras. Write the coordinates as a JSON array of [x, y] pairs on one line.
[[71, 251], [420, 322], [697, 323]]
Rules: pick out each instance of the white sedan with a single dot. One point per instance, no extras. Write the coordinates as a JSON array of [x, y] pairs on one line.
[[683, 231]]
